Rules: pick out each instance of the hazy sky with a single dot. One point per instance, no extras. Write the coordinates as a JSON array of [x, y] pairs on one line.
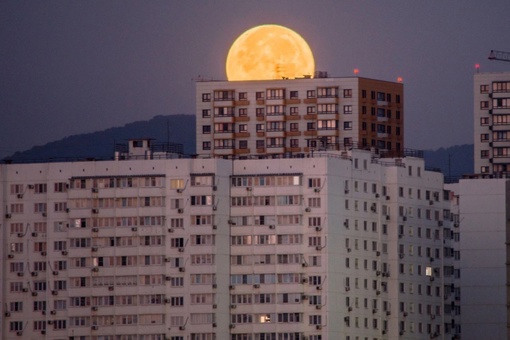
[[69, 67]]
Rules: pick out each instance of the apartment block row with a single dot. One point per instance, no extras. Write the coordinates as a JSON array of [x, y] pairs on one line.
[[271, 118], [342, 246]]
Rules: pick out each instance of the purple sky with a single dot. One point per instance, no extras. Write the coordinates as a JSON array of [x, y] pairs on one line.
[[69, 67]]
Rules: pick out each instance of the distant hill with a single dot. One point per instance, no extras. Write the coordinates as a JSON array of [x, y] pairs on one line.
[[100, 145], [181, 129], [453, 161]]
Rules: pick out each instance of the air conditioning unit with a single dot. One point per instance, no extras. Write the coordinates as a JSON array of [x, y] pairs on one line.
[[54, 292], [44, 214], [231, 287], [214, 188], [24, 290], [232, 326], [431, 202], [249, 188], [318, 228], [7, 215], [30, 186], [20, 273], [34, 273], [11, 256], [95, 269], [346, 223], [50, 322], [179, 191], [374, 311], [95, 230], [388, 313], [319, 287], [53, 312], [214, 286], [318, 306], [318, 248], [34, 234], [304, 264], [94, 327], [94, 308], [401, 255], [256, 285], [318, 327], [43, 332], [378, 292], [304, 280], [168, 278], [134, 229], [95, 190], [64, 252], [181, 250], [405, 314], [182, 328], [111, 288], [214, 306], [182, 269], [215, 207], [170, 230], [317, 190], [347, 288], [21, 234], [94, 249], [43, 253], [214, 227], [20, 195], [376, 195], [7, 314], [308, 209], [384, 331], [34, 293], [378, 273], [19, 333], [55, 272], [95, 211], [349, 250], [378, 253], [180, 210], [349, 309], [233, 306], [271, 226], [168, 259], [214, 324]]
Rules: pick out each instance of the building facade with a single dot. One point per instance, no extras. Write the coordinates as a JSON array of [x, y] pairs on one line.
[[342, 246], [276, 117], [481, 205], [492, 122]]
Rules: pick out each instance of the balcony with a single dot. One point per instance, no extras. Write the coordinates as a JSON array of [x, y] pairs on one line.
[[292, 117], [293, 101], [241, 135], [242, 119], [241, 103]]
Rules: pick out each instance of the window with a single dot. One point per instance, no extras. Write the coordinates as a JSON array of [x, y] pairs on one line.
[[347, 125], [484, 105], [484, 88], [294, 94], [259, 111], [206, 145], [294, 143], [275, 93], [243, 144], [294, 110], [243, 112], [310, 110], [348, 93], [310, 94], [327, 92], [484, 137], [243, 95], [206, 129], [206, 113], [484, 121], [260, 144], [484, 153], [259, 95], [294, 126], [347, 109], [224, 95], [206, 97]]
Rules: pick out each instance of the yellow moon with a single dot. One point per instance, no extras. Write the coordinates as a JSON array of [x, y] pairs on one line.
[[269, 52]]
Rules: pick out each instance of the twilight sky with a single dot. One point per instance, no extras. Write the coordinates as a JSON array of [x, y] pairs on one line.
[[69, 67]]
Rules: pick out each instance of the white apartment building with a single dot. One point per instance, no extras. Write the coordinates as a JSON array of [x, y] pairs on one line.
[[270, 118], [482, 206], [340, 246], [492, 122]]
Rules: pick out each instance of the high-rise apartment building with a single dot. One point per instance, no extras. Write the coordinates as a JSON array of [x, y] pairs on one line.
[[342, 246], [269, 118], [492, 122], [481, 203]]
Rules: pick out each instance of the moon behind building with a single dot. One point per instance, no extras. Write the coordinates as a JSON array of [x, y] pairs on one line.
[[269, 52]]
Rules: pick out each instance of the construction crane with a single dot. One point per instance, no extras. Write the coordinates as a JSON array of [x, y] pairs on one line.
[[499, 55]]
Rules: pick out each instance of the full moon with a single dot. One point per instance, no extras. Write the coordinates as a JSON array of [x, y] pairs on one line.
[[269, 52]]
